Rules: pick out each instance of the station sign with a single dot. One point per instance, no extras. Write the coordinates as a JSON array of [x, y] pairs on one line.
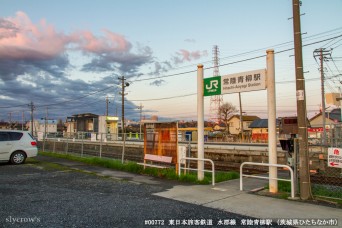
[[235, 83], [335, 157]]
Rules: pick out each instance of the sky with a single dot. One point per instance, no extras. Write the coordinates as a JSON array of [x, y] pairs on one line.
[[67, 56]]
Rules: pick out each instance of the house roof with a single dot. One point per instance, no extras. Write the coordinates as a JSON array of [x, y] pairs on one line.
[[334, 115], [260, 123], [85, 115], [244, 117]]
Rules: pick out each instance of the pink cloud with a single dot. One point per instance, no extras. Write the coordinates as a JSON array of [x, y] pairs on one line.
[[22, 39], [27, 40], [188, 56], [110, 42]]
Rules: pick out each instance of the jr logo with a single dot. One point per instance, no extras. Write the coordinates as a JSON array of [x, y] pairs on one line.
[[212, 83], [212, 86]]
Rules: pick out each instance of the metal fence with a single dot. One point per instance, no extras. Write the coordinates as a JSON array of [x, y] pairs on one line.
[[323, 176], [111, 145], [98, 144]]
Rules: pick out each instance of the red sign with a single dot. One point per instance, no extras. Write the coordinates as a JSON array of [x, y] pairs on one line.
[[336, 151], [333, 164], [315, 129], [334, 157]]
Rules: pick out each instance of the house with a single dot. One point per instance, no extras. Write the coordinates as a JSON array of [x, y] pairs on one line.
[[316, 122], [190, 133], [259, 130], [92, 123], [48, 126], [332, 117], [234, 124]]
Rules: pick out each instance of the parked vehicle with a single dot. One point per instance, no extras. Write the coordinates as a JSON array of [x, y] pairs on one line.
[[16, 146]]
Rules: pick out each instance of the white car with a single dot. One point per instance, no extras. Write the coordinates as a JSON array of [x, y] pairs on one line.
[[16, 146]]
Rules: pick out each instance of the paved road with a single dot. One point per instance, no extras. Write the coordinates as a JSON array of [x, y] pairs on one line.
[[42, 194]]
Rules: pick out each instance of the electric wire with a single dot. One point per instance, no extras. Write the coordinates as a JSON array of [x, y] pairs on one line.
[[172, 75]]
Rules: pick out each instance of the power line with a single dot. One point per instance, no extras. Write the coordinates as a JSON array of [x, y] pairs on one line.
[[173, 75], [166, 98]]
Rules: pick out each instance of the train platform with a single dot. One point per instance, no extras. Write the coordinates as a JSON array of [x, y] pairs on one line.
[[227, 196]]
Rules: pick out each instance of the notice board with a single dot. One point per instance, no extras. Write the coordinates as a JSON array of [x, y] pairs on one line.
[[160, 138]]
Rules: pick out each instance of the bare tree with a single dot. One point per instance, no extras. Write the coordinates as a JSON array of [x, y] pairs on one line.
[[226, 110]]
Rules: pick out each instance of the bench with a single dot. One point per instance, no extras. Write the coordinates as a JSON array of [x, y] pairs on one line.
[[156, 158]]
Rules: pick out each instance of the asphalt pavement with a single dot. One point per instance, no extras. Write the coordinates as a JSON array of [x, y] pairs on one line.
[[219, 205]]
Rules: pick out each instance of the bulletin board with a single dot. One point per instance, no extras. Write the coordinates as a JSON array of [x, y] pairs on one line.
[[161, 138]]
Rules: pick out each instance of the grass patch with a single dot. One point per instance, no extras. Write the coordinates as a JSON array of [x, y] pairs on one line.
[[132, 167], [326, 191], [329, 193]]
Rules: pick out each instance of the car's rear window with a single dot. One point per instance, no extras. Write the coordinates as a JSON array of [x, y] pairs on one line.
[[10, 136], [4, 136], [16, 135]]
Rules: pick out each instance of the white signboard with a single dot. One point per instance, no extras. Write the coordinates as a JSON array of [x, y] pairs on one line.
[[335, 157], [93, 137], [40, 136], [181, 154], [244, 82]]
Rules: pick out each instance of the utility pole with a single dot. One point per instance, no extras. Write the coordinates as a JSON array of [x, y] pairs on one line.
[[46, 121], [123, 85], [22, 121], [321, 54], [31, 105], [305, 187], [140, 107], [10, 120], [107, 101], [45, 128]]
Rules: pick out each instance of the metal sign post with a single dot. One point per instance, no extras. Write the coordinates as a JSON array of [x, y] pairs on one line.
[[200, 120], [236, 83]]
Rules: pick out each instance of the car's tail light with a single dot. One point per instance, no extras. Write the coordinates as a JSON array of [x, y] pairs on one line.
[[34, 143]]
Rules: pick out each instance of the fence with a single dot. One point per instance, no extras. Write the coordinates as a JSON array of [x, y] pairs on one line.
[[91, 144], [323, 177], [261, 177], [110, 145], [97, 144]]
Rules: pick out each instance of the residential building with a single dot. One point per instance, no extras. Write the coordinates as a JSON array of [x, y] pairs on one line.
[[235, 126], [316, 122], [92, 123], [48, 126], [259, 130]]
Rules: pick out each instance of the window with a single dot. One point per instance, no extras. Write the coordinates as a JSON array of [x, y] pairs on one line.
[[15, 135], [4, 136]]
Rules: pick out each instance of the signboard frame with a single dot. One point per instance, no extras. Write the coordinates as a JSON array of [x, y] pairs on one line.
[[235, 83]]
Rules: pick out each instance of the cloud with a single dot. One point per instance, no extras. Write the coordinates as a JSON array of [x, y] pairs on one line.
[[160, 67], [25, 40], [188, 56], [190, 40], [26, 48], [7, 29], [35, 59], [109, 43], [159, 82], [34, 48]]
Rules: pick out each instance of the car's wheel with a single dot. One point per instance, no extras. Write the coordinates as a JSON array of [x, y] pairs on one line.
[[18, 157]]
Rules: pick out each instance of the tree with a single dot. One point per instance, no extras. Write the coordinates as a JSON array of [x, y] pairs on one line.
[[225, 112]]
